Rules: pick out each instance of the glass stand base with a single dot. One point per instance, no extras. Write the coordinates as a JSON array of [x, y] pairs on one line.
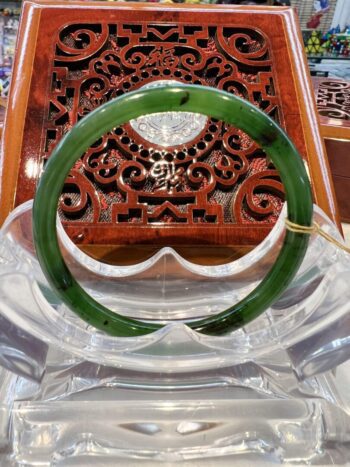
[[73, 396], [82, 433], [108, 426]]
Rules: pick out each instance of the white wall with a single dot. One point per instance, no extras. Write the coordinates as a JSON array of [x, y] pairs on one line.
[[342, 14]]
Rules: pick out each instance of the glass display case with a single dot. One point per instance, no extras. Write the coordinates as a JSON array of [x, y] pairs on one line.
[[118, 344]]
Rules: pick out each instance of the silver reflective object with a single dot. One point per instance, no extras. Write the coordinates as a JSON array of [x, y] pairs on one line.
[[169, 128]]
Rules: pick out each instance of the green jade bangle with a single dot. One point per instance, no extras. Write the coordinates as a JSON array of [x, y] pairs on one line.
[[217, 104]]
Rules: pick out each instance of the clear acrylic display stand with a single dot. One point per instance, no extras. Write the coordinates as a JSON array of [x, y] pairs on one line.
[[74, 395], [71, 395]]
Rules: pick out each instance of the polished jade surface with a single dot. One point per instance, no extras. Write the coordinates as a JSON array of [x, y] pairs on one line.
[[200, 99]]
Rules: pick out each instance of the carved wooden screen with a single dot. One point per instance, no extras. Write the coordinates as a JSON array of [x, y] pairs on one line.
[[201, 180], [333, 103], [217, 175]]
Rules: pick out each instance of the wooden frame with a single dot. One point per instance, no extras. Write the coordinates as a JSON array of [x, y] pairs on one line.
[[332, 98], [31, 77]]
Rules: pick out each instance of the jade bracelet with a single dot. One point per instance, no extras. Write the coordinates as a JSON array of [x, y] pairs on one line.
[[208, 101]]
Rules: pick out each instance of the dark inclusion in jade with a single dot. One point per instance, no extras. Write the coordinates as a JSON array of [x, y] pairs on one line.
[[189, 99]]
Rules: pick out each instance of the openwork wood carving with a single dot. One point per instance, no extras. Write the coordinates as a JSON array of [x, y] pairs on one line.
[[215, 175], [333, 99], [333, 105], [161, 180]]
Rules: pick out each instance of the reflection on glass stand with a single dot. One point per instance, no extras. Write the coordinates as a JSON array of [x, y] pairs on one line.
[[74, 395]]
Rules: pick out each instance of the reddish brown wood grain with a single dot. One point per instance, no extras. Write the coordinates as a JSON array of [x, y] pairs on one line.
[[218, 189], [333, 104]]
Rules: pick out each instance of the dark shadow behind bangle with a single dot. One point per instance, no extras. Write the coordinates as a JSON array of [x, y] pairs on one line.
[[200, 99]]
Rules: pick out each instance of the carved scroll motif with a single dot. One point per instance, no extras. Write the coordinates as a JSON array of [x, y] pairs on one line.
[[333, 99], [219, 175]]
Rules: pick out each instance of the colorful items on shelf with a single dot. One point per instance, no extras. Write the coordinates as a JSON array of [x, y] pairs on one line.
[[10, 12], [8, 33], [333, 43], [336, 42], [313, 45], [4, 85]]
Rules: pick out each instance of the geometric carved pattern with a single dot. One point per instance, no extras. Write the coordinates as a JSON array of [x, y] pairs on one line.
[[333, 99], [333, 105], [219, 177], [200, 183]]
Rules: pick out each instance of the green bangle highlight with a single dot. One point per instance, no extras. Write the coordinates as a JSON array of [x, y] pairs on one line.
[[208, 101]]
